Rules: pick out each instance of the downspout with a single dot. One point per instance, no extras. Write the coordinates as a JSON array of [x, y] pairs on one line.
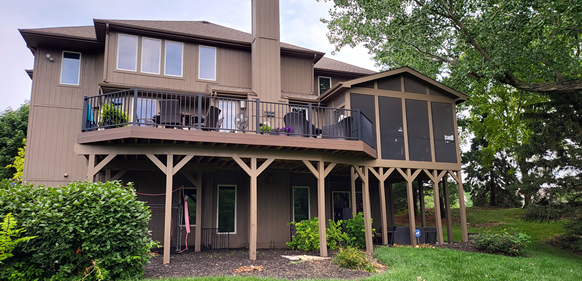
[[106, 54]]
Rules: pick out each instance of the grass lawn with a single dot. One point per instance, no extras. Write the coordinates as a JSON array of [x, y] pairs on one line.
[[542, 262]]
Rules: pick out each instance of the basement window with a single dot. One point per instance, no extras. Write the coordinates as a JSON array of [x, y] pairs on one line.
[[324, 84], [71, 68], [127, 52], [226, 213], [207, 63], [301, 210]]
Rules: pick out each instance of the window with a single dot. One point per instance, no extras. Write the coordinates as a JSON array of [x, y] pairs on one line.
[[190, 194], [151, 50], [226, 213], [445, 147], [301, 210], [71, 68], [301, 110], [173, 59], [341, 201], [324, 84], [127, 52], [418, 131], [207, 63]]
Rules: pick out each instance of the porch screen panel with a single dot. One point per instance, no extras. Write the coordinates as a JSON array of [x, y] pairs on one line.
[[366, 104], [300, 203], [391, 131], [226, 209], [418, 130], [445, 143]]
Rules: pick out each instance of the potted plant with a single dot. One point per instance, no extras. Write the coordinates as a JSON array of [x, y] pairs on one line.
[[265, 129], [111, 116], [285, 131]]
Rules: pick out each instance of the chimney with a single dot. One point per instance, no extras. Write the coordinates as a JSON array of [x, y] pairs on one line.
[[266, 50]]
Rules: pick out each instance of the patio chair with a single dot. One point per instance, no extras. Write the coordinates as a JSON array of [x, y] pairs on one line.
[[299, 124], [211, 119], [339, 130], [170, 113]]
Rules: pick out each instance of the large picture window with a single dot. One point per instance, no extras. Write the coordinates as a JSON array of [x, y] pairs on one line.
[[226, 221], [301, 210], [71, 68], [173, 59], [151, 52], [127, 52], [207, 63]]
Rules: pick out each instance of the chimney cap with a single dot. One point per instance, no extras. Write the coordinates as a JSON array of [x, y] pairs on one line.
[[205, 21]]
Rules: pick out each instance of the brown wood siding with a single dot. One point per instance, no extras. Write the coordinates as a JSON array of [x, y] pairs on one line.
[[265, 18], [234, 68], [296, 75], [55, 119], [274, 208]]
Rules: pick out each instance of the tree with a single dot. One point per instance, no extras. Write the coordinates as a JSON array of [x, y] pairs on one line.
[[13, 128], [18, 163], [531, 45]]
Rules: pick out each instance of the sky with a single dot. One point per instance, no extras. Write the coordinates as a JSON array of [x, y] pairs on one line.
[[300, 25]]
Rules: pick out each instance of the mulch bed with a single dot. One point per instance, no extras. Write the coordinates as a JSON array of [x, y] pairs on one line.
[[235, 262], [461, 246]]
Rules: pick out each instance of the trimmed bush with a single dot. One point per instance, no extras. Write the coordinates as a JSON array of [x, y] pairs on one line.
[[77, 226], [356, 231], [307, 235], [511, 242], [353, 258]]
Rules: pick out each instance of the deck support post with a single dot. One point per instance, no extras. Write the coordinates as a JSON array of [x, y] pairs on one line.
[[381, 176], [197, 182], [459, 178], [421, 203], [168, 208], [411, 218], [170, 170], [253, 173], [320, 173], [435, 178], [353, 176], [93, 168], [448, 215], [363, 173]]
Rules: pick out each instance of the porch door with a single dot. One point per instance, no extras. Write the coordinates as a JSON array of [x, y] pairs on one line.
[[340, 200], [228, 111]]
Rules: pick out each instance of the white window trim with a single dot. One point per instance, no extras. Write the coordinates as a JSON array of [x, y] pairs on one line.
[[215, 55], [78, 73], [333, 202], [308, 201], [159, 55], [318, 84], [195, 188], [218, 206], [136, 52], [166, 60]]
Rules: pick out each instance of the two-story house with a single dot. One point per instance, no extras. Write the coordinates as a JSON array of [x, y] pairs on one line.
[[246, 132]]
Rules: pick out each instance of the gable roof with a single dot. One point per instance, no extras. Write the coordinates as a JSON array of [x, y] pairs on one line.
[[342, 86], [338, 66]]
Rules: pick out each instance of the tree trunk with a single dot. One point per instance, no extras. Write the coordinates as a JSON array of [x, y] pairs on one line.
[[492, 194]]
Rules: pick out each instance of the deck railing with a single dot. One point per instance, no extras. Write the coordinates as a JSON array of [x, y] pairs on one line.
[[139, 107]]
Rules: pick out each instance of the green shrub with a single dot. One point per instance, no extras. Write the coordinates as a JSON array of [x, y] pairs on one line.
[[77, 225], [507, 242], [356, 231], [112, 115], [307, 235], [353, 258], [7, 233]]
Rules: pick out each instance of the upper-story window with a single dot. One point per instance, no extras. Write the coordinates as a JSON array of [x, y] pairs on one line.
[[127, 52], [71, 68], [324, 84], [207, 63], [173, 59], [151, 52]]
